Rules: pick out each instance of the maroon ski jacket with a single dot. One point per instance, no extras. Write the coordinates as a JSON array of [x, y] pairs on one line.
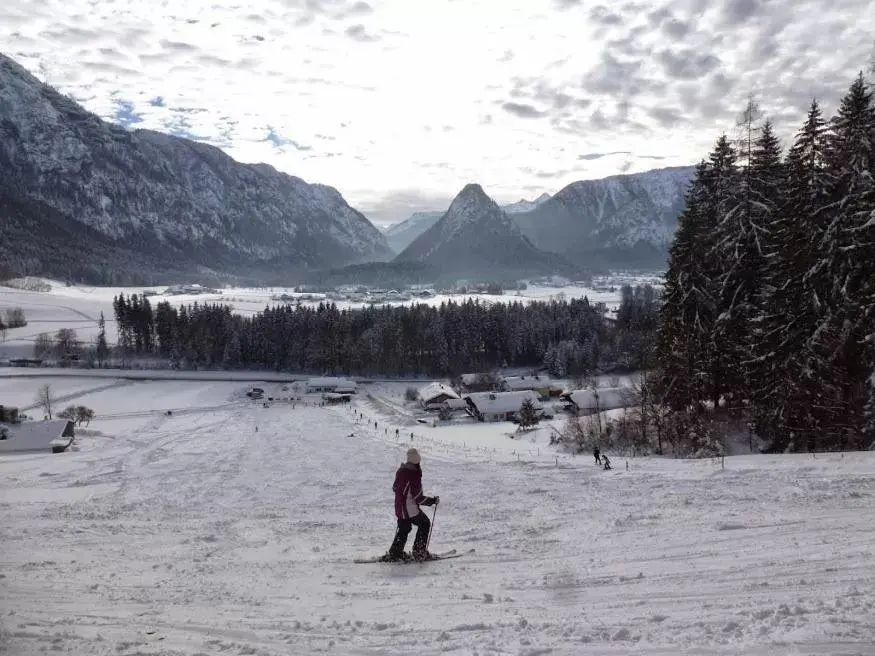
[[408, 491]]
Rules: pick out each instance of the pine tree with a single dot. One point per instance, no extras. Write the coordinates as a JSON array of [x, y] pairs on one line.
[[102, 350], [791, 302], [849, 245], [528, 415], [687, 313], [726, 263]]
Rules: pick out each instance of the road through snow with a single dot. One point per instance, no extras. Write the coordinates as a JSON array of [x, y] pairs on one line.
[[197, 534]]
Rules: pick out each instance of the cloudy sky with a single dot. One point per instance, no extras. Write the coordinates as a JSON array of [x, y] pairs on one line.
[[399, 103]]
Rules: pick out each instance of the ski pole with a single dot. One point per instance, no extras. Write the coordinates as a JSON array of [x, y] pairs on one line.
[[433, 516]]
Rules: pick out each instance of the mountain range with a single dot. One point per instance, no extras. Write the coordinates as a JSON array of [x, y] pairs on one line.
[[85, 199], [625, 219], [475, 237], [109, 203], [401, 235]]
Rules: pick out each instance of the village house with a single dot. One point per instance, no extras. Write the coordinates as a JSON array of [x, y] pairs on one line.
[[432, 396], [500, 406], [51, 436], [480, 382], [329, 384], [454, 405], [591, 401], [541, 384]]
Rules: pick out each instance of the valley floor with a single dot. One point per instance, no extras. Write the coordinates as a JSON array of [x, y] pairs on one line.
[[198, 534]]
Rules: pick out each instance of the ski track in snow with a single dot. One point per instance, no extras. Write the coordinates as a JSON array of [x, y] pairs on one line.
[[195, 534]]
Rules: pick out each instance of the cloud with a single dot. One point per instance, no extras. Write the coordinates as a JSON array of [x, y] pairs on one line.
[[687, 64], [594, 156], [125, 113], [604, 16], [522, 110], [359, 33], [274, 138], [739, 11], [538, 94], [178, 46]]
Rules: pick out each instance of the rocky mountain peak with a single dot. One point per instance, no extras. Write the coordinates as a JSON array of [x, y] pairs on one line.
[[179, 204]]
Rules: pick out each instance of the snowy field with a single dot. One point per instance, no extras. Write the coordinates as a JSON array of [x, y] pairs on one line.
[[194, 533], [79, 306]]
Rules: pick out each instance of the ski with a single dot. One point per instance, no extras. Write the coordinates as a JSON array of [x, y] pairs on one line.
[[452, 553]]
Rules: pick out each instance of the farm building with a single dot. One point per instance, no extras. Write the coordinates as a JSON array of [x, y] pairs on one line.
[[333, 398], [338, 385], [432, 396], [35, 436], [480, 382], [541, 384], [455, 405], [500, 406], [590, 401]]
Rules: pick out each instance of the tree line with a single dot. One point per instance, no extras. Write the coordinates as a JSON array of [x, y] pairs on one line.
[[569, 337], [768, 308]]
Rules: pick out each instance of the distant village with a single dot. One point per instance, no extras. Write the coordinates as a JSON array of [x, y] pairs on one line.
[[375, 295], [482, 397]]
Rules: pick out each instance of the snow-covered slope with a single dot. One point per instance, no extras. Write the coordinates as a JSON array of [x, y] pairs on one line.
[[476, 236], [401, 235], [193, 533], [164, 200], [619, 213]]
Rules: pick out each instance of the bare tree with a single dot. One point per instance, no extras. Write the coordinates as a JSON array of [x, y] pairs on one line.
[[84, 415], [67, 343], [15, 318], [45, 399], [43, 345]]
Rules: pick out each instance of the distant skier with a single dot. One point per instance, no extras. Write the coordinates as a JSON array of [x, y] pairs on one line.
[[596, 454], [607, 462], [408, 497]]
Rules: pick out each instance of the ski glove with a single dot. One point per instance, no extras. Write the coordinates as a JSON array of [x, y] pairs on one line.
[[431, 501]]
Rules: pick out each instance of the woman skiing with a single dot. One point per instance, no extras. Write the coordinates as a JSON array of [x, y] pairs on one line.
[[408, 498]]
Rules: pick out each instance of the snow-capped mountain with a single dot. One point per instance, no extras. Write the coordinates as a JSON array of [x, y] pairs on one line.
[[635, 213], [162, 200], [524, 205], [401, 235], [475, 236]]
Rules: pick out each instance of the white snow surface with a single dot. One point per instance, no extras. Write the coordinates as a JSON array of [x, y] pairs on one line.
[[194, 533]]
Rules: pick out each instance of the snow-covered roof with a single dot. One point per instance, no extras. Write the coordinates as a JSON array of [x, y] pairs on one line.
[[514, 383], [329, 381], [434, 390], [34, 436], [502, 402], [606, 398]]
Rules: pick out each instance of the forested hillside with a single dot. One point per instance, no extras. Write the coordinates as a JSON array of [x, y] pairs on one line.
[[769, 302]]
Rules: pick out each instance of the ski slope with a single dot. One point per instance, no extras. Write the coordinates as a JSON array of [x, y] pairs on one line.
[[195, 533]]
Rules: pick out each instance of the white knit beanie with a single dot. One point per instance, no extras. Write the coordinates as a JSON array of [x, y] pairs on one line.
[[413, 456]]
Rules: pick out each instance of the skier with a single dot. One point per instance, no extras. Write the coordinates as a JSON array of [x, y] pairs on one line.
[[607, 462], [408, 498], [595, 453]]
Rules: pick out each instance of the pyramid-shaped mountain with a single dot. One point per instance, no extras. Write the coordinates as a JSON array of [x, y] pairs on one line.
[[476, 237]]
